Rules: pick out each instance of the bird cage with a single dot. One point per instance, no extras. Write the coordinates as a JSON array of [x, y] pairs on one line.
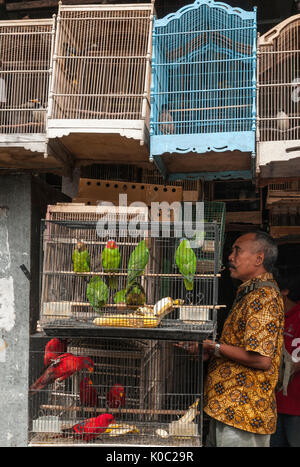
[[115, 391], [283, 203], [203, 85], [278, 94], [26, 49], [102, 60], [148, 282]]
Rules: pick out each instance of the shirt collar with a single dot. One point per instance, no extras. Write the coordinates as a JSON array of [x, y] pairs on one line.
[[266, 276]]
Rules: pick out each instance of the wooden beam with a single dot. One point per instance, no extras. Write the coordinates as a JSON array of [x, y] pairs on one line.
[[56, 149], [36, 4]]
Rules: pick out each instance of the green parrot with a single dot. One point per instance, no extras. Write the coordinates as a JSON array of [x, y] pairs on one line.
[[97, 293], [81, 258], [137, 262], [111, 260], [186, 262], [120, 297]]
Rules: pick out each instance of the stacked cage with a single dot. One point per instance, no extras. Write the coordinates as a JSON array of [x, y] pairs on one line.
[[119, 295], [283, 204], [278, 84], [203, 79], [138, 392], [101, 65]]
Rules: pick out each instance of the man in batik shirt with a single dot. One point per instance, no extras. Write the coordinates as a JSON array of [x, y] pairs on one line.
[[243, 369]]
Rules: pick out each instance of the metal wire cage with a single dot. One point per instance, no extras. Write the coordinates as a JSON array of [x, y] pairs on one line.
[[123, 391], [144, 283], [203, 75], [102, 62], [278, 82], [26, 48]]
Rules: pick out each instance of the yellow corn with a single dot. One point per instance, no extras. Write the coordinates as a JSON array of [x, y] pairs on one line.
[[131, 321]]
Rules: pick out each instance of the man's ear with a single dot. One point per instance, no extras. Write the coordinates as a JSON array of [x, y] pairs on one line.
[[260, 258]]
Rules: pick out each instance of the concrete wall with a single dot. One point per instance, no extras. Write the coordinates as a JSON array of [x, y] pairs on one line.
[[23, 203], [15, 242]]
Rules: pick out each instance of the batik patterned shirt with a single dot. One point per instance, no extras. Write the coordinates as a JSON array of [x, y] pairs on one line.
[[237, 395]]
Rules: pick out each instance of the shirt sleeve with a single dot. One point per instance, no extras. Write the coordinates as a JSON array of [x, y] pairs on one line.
[[264, 322]]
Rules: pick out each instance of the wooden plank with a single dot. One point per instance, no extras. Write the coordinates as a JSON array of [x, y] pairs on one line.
[[247, 217], [262, 182], [104, 409], [278, 231], [91, 191]]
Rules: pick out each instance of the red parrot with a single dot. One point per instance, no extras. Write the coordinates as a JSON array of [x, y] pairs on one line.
[[116, 397], [53, 349], [92, 427], [88, 393], [60, 369]]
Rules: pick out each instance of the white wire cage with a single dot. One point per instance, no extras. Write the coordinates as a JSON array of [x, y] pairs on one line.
[[102, 62], [279, 82], [26, 48], [138, 392]]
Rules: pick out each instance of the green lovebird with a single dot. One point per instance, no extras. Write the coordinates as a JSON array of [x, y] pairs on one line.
[[137, 261], [81, 258], [186, 262], [97, 293], [111, 259]]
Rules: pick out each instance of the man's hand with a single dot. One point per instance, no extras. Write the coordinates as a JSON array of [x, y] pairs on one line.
[[190, 347], [208, 348]]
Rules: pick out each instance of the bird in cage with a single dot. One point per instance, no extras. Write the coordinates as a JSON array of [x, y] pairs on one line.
[[92, 427], [120, 296], [38, 112], [88, 393], [116, 397], [81, 258], [283, 122], [97, 293], [111, 260], [70, 66], [59, 370], [165, 119], [186, 262], [54, 348], [138, 260]]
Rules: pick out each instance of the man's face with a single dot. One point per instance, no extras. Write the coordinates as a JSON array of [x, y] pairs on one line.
[[245, 259]]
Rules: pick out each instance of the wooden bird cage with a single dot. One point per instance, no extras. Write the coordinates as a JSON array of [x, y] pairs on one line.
[[279, 83], [278, 118], [283, 203], [26, 49], [102, 62]]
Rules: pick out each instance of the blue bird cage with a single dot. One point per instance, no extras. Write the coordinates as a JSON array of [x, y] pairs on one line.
[[203, 92]]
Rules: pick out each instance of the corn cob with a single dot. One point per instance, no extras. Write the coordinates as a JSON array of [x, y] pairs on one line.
[[117, 430], [147, 316], [131, 321]]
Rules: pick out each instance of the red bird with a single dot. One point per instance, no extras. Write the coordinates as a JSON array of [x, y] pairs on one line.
[[116, 397], [92, 427], [88, 393], [53, 349], [61, 369]]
